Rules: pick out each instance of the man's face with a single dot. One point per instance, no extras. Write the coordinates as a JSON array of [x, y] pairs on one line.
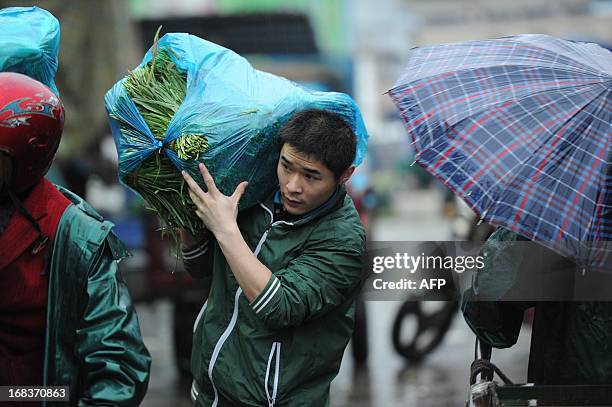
[[305, 184]]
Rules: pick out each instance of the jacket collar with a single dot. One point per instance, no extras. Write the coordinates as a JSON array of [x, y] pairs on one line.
[[80, 203], [19, 233]]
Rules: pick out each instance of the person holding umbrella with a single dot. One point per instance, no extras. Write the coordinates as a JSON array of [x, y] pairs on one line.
[[569, 340], [520, 128]]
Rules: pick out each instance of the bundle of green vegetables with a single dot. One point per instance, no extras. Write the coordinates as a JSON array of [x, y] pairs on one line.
[[192, 101], [158, 89]]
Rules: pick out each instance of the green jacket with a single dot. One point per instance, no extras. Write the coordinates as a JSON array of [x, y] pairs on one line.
[[93, 342], [285, 347], [571, 342]]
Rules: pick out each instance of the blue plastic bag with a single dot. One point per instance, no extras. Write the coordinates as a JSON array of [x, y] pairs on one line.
[[29, 43], [238, 109]]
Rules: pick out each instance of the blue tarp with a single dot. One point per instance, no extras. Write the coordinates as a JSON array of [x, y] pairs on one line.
[[29, 43], [236, 107]]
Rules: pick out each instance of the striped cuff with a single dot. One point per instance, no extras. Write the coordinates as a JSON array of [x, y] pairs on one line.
[[266, 295], [199, 250]]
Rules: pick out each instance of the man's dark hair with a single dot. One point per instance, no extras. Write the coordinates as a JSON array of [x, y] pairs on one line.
[[323, 136]]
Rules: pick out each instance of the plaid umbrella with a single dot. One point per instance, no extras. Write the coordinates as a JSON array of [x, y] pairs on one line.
[[519, 127]]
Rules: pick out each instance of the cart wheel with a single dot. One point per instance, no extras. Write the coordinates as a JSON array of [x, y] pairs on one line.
[[360, 334], [426, 328]]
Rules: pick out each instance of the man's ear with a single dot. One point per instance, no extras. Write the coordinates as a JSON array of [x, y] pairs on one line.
[[346, 175]]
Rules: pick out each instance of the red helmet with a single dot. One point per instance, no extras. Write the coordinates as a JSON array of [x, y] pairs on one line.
[[31, 123]]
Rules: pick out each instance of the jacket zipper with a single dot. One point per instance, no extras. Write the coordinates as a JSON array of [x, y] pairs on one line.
[[220, 343], [272, 223], [232, 323], [274, 354], [197, 321]]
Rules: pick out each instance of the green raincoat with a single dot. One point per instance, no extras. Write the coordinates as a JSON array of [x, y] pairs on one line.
[[571, 342], [93, 342], [285, 347]]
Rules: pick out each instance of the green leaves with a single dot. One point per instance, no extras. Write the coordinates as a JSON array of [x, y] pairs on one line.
[[190, 146], [158, 90], [158, 99]]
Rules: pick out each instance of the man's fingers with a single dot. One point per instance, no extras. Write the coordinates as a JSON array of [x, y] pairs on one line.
[[194, 197], [239, 191], [208, 179], [193, 186]]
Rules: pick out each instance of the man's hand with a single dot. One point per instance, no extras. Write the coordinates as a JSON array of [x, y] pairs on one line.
[[217, 211]]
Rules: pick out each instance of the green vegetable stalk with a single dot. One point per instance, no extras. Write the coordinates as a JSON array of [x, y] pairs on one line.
[[158, 89]]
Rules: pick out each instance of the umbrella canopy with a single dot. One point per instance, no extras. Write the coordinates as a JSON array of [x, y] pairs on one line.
[[519, 127]]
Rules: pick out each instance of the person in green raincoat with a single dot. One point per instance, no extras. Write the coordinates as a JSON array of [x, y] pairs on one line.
[[570, 341], [66, 318], [283, 275]]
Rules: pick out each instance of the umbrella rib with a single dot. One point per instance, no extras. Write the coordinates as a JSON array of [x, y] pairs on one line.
[[535, 155], [601, 181], [487, 194]]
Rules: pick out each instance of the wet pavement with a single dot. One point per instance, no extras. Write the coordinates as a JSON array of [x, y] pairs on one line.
[[441, 379]]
